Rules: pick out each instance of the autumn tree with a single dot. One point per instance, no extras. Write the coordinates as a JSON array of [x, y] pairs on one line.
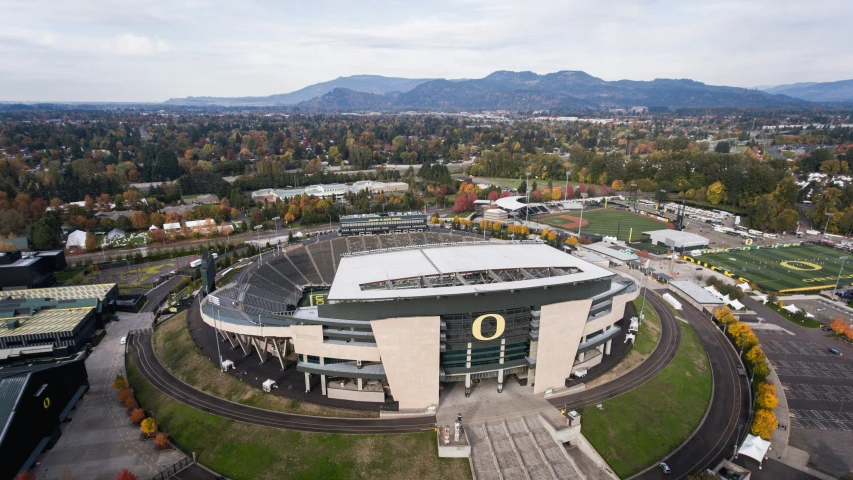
[[618, 185], [139, 220], [148, 427], [137, 415], [716, 193], [724, 315], [161, 440], [755, 355], [120, 382], [130, 403], [125, 475], [763, 424], [25, 476], [572, 241], [124, 393], [839, 326], [91, 242], [766, 397]]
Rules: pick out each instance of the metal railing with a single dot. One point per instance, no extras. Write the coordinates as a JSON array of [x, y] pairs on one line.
[[171, 470]]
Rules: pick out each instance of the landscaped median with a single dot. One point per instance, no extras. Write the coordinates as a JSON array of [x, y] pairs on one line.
[[635, 429]]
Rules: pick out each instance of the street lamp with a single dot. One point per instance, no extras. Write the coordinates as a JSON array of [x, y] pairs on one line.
[[583, 197], [260, 252], [829, 215], [634, 194], [216, 335], [842, 258], [277, 240]]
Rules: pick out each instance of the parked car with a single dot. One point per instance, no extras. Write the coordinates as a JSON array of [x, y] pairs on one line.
[[834, 352], [580, 373], [123, 340], [665, 468], [826, 328]]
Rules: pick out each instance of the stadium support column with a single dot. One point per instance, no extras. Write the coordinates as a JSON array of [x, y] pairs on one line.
[[307, 382], [323, 377], [360, 383], [607, 347]]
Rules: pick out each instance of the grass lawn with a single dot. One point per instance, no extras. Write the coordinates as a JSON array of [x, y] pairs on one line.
[[249, 452], [609, 222], [179, 354], [787, 269], [68, 274], [638, 428], [647, 339], [798, 319]]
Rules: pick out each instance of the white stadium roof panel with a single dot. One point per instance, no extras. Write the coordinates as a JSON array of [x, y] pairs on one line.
[[444, 271]]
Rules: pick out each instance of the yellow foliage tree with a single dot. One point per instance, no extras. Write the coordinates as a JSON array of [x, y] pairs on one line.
[[148, 427], [755, 355], [552, 236], [572, 241], [496, 225], [767, 399], [763, 424], [120, 382], [724, 315], [716, 193], [544, 234], [556, 194], [618, 185]]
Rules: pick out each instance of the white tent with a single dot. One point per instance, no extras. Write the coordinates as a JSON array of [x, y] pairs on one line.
[[754, 447], [736, 304], [116, 233], [298, 235], [761, 298], [791, 309], [77, 238], [744, 287]]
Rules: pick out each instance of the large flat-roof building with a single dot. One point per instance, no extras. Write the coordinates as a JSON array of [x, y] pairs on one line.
[[677, 240], [411, 318]]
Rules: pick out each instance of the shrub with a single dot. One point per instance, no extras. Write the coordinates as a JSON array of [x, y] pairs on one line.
[[137, 415], [120, 382], [161, 440], [125, 475], [124, 394], [148, 427]]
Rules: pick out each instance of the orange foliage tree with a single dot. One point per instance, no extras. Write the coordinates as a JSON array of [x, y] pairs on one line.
[[137, 415], [125, 475], [161, 440], [124, 394]]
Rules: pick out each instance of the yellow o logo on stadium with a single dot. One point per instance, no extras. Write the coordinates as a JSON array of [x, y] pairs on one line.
[[798, 265], [46, 403], [477, 328]]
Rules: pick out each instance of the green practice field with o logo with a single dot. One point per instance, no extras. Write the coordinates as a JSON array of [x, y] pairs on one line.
[[787, 269]]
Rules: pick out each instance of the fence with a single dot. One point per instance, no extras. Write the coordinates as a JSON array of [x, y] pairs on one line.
[[173, 469]]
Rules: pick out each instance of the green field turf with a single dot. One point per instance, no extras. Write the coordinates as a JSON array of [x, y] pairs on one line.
[[766, 267], [608, 222]]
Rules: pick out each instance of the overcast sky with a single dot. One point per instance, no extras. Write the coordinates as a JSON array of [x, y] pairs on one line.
[[151, 50]]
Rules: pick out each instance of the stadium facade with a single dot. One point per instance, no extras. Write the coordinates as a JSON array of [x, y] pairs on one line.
[[399, 322]]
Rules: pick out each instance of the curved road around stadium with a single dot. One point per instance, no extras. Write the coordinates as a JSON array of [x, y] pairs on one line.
[[156, 373]]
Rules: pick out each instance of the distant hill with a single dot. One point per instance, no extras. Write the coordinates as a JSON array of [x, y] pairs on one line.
[[375, 84], [841, 91], [506, 90]]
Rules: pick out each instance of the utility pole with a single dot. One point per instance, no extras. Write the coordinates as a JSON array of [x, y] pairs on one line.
[[583, 197], [527, 192], [216, 335]]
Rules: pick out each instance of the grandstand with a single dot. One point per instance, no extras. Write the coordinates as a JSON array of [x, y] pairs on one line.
[[276, 287]]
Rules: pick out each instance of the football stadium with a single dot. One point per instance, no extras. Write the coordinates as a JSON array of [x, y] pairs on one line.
[[373, 318]]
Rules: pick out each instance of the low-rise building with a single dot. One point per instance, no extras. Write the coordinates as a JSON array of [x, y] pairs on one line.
[[677, 240]]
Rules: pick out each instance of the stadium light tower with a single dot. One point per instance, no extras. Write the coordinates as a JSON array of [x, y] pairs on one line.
[[566, 190], [842, 258], [527, 192], [583, 197], [829, 216]]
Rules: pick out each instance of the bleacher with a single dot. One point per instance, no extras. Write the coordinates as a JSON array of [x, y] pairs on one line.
[[356, 244], [433, 237], [387, 241], [371, 242], [418, 238], [303, 263], [404, 240], [284, 266], [340, 247], [321, 252]]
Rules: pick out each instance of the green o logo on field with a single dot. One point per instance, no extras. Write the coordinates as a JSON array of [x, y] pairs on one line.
[[801, 266]]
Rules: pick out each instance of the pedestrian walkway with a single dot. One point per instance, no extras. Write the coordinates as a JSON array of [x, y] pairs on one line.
[[100, 440]]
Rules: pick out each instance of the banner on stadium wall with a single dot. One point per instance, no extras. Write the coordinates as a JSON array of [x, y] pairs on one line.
[[750, 247]]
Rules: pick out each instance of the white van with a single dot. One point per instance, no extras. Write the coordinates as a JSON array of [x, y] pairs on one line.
[[123, 340], [580, 373]]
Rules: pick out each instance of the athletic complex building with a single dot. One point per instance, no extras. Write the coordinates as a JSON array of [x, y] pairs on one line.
[[392, 316]]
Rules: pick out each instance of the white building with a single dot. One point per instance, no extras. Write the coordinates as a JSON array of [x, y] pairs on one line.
[[677, 240]]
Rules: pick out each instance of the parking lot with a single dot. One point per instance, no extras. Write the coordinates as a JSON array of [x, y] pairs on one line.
[[824, 310], [818, 386]]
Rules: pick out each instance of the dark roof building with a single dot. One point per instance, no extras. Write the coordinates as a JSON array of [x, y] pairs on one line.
[[34, 400]]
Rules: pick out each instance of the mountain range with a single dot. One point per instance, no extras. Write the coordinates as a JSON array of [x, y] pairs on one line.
[[841, 91], [524, 91]]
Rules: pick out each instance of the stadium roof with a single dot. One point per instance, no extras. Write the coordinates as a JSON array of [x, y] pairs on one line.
[[677, 238], [605, 249], [457, 270]]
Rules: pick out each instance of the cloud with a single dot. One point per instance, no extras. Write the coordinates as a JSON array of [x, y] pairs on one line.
[[131, 44], [118, 49]]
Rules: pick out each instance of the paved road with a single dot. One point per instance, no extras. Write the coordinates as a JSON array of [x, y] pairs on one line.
[[715, 437], [650, 368], [156, 373]]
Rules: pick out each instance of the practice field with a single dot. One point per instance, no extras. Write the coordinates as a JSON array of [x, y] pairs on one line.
[[601, 221], [788, 269]]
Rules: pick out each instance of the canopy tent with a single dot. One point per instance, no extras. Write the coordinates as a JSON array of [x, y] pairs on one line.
[[76, 238], [791, 308], [754, 447], [116, 233], [761, 298]]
